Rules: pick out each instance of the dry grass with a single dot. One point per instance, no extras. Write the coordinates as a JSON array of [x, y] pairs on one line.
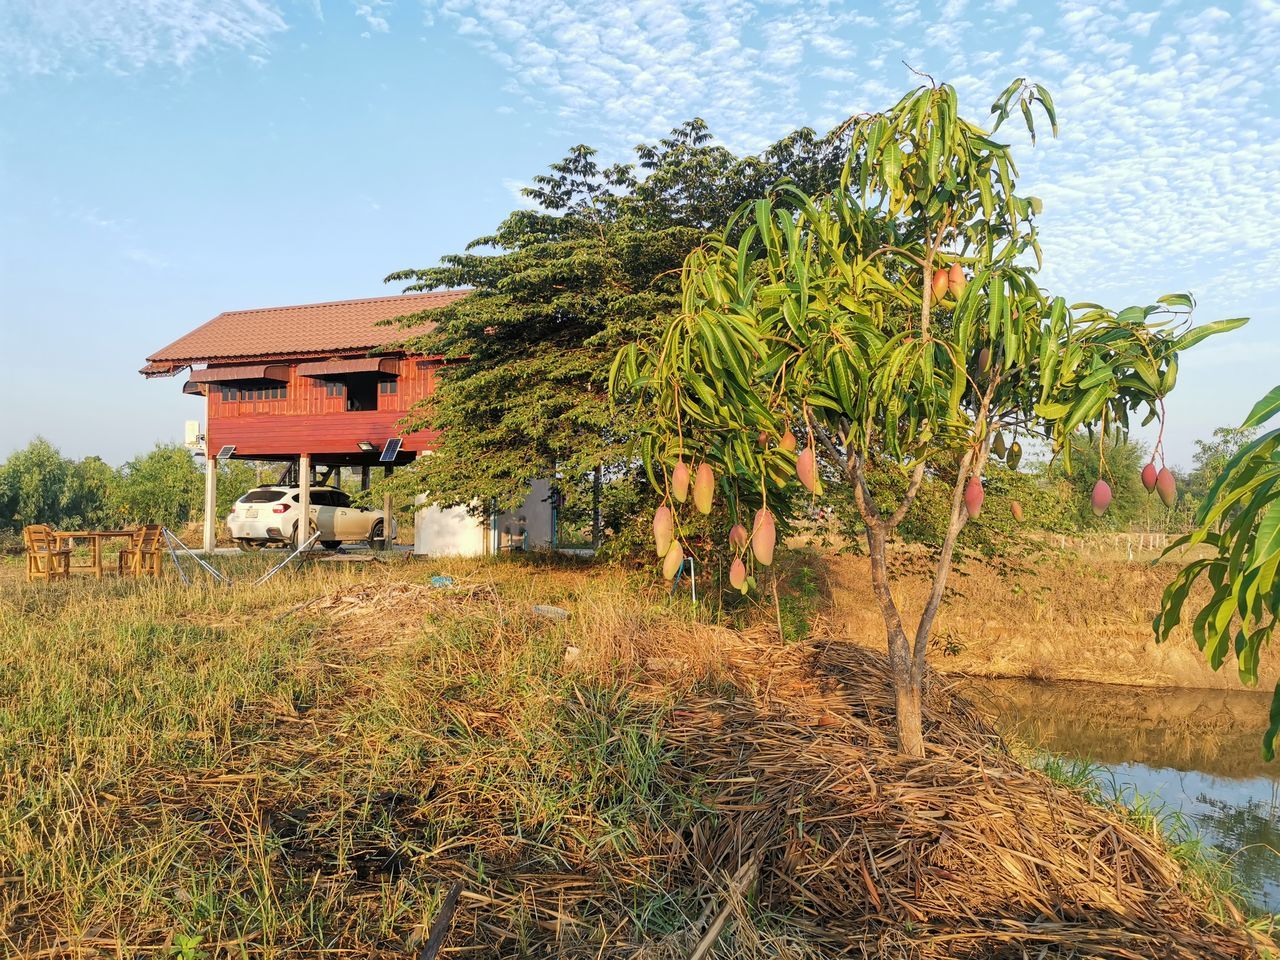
[[306, 768]]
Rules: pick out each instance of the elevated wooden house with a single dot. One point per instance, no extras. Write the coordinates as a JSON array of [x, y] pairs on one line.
[[306, 380], [316, 386]]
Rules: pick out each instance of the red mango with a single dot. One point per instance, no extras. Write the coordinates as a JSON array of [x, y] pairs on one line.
[[973, 496], [1100, 499], [680, 482], [1149, 477], [764, 537]]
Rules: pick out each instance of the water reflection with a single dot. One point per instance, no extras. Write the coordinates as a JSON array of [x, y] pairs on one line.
[[1197, 751]]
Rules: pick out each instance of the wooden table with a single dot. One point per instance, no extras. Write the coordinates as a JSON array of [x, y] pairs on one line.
[[95, 538]]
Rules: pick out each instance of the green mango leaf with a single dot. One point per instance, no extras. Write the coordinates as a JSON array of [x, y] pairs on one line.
[[1196, 334], [1269, 738], [1263, 410]]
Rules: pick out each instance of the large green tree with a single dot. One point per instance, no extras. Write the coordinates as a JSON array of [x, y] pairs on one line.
[[32, 482], [162, 486], [557, 289], [892, 326]]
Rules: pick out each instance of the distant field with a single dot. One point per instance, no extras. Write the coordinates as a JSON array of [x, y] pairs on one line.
[[310, 767]]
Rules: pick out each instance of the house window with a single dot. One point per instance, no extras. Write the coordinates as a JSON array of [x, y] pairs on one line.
[[335, 388], [251, 391], [362, 393], [387, 386]]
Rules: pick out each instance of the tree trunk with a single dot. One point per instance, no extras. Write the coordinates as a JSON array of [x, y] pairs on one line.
[[910, 733], [906, 679]]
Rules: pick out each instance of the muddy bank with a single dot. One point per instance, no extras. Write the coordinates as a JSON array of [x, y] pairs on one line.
[[1050, 615]]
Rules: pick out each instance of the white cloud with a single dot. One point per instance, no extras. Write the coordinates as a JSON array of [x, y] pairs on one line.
[[54, 36], [372, 14], [1165, 174]]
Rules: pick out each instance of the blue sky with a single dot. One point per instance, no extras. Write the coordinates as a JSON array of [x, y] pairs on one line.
[[164, 160]]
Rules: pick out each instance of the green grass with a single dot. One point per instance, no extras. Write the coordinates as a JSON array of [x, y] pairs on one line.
[[178, 767]]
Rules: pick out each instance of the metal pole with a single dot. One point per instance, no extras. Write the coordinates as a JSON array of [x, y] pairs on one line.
[[173, 542], [388, 537], [304, 498], [595, 509], [210, 499], [279, 566]]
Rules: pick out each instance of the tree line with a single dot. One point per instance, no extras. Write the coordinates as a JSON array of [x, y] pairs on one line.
[[165, 485]]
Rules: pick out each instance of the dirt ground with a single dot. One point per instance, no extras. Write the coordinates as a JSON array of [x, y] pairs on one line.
[[1048, 615]]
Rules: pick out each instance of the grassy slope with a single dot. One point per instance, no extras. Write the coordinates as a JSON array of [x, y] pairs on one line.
[[1048, 614], [236, 772]]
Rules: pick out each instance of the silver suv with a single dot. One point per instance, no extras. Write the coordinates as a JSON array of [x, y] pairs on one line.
[[271, 514]]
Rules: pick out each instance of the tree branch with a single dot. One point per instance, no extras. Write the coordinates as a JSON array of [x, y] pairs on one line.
[[913, 487]]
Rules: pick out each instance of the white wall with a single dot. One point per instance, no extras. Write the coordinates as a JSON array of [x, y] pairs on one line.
[[454, 532], [533, 523], [451, 532]]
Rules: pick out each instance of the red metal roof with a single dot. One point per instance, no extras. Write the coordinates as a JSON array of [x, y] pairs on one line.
[[335, 368], [241, 371], [306, 330]]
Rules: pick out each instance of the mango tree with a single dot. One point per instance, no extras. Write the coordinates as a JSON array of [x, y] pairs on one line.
[[893, 325], [1239, 520]]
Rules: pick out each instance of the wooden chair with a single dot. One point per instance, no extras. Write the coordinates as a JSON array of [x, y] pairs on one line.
[[143, 556], [44, 560]]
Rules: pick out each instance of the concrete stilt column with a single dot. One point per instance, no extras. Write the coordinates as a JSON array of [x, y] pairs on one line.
[[304, 498], [388, 523], [210, 500]]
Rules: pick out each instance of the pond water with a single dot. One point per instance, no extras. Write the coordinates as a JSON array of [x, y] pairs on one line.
[[1195, 751]]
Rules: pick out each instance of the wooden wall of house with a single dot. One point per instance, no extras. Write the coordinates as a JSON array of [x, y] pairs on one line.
[[308, 420]]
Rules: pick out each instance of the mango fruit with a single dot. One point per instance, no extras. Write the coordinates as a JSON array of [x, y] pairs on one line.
[[673, 562], [973, 496], [941, 282], [788, 441], [1016, 509], [1100, 499], [680, 482], [807, 469], [663, 529], [956, 281], [704, 488], [738, 537], [1149, 473], [984, 363], [764, 537], [1014, 456], [1167, 487], [998, 446], [738, 573]]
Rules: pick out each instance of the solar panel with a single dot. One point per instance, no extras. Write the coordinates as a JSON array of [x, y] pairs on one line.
[[226, 451], [390, 450]]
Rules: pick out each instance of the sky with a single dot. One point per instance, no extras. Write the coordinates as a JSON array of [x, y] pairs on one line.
[[164, 160]]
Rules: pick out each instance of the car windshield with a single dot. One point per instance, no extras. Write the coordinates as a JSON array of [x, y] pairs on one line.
[[262, 496]]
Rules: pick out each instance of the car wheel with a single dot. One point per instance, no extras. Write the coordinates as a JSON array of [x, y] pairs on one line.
[[375, 536], [331, 544], [299, 541], [249, 546]]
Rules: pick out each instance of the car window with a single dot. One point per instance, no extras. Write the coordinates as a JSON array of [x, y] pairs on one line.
[[322, 498], [340, 499], [262, 496]]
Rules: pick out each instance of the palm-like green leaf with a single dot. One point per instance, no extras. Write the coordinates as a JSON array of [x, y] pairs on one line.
[[1245, 503]]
